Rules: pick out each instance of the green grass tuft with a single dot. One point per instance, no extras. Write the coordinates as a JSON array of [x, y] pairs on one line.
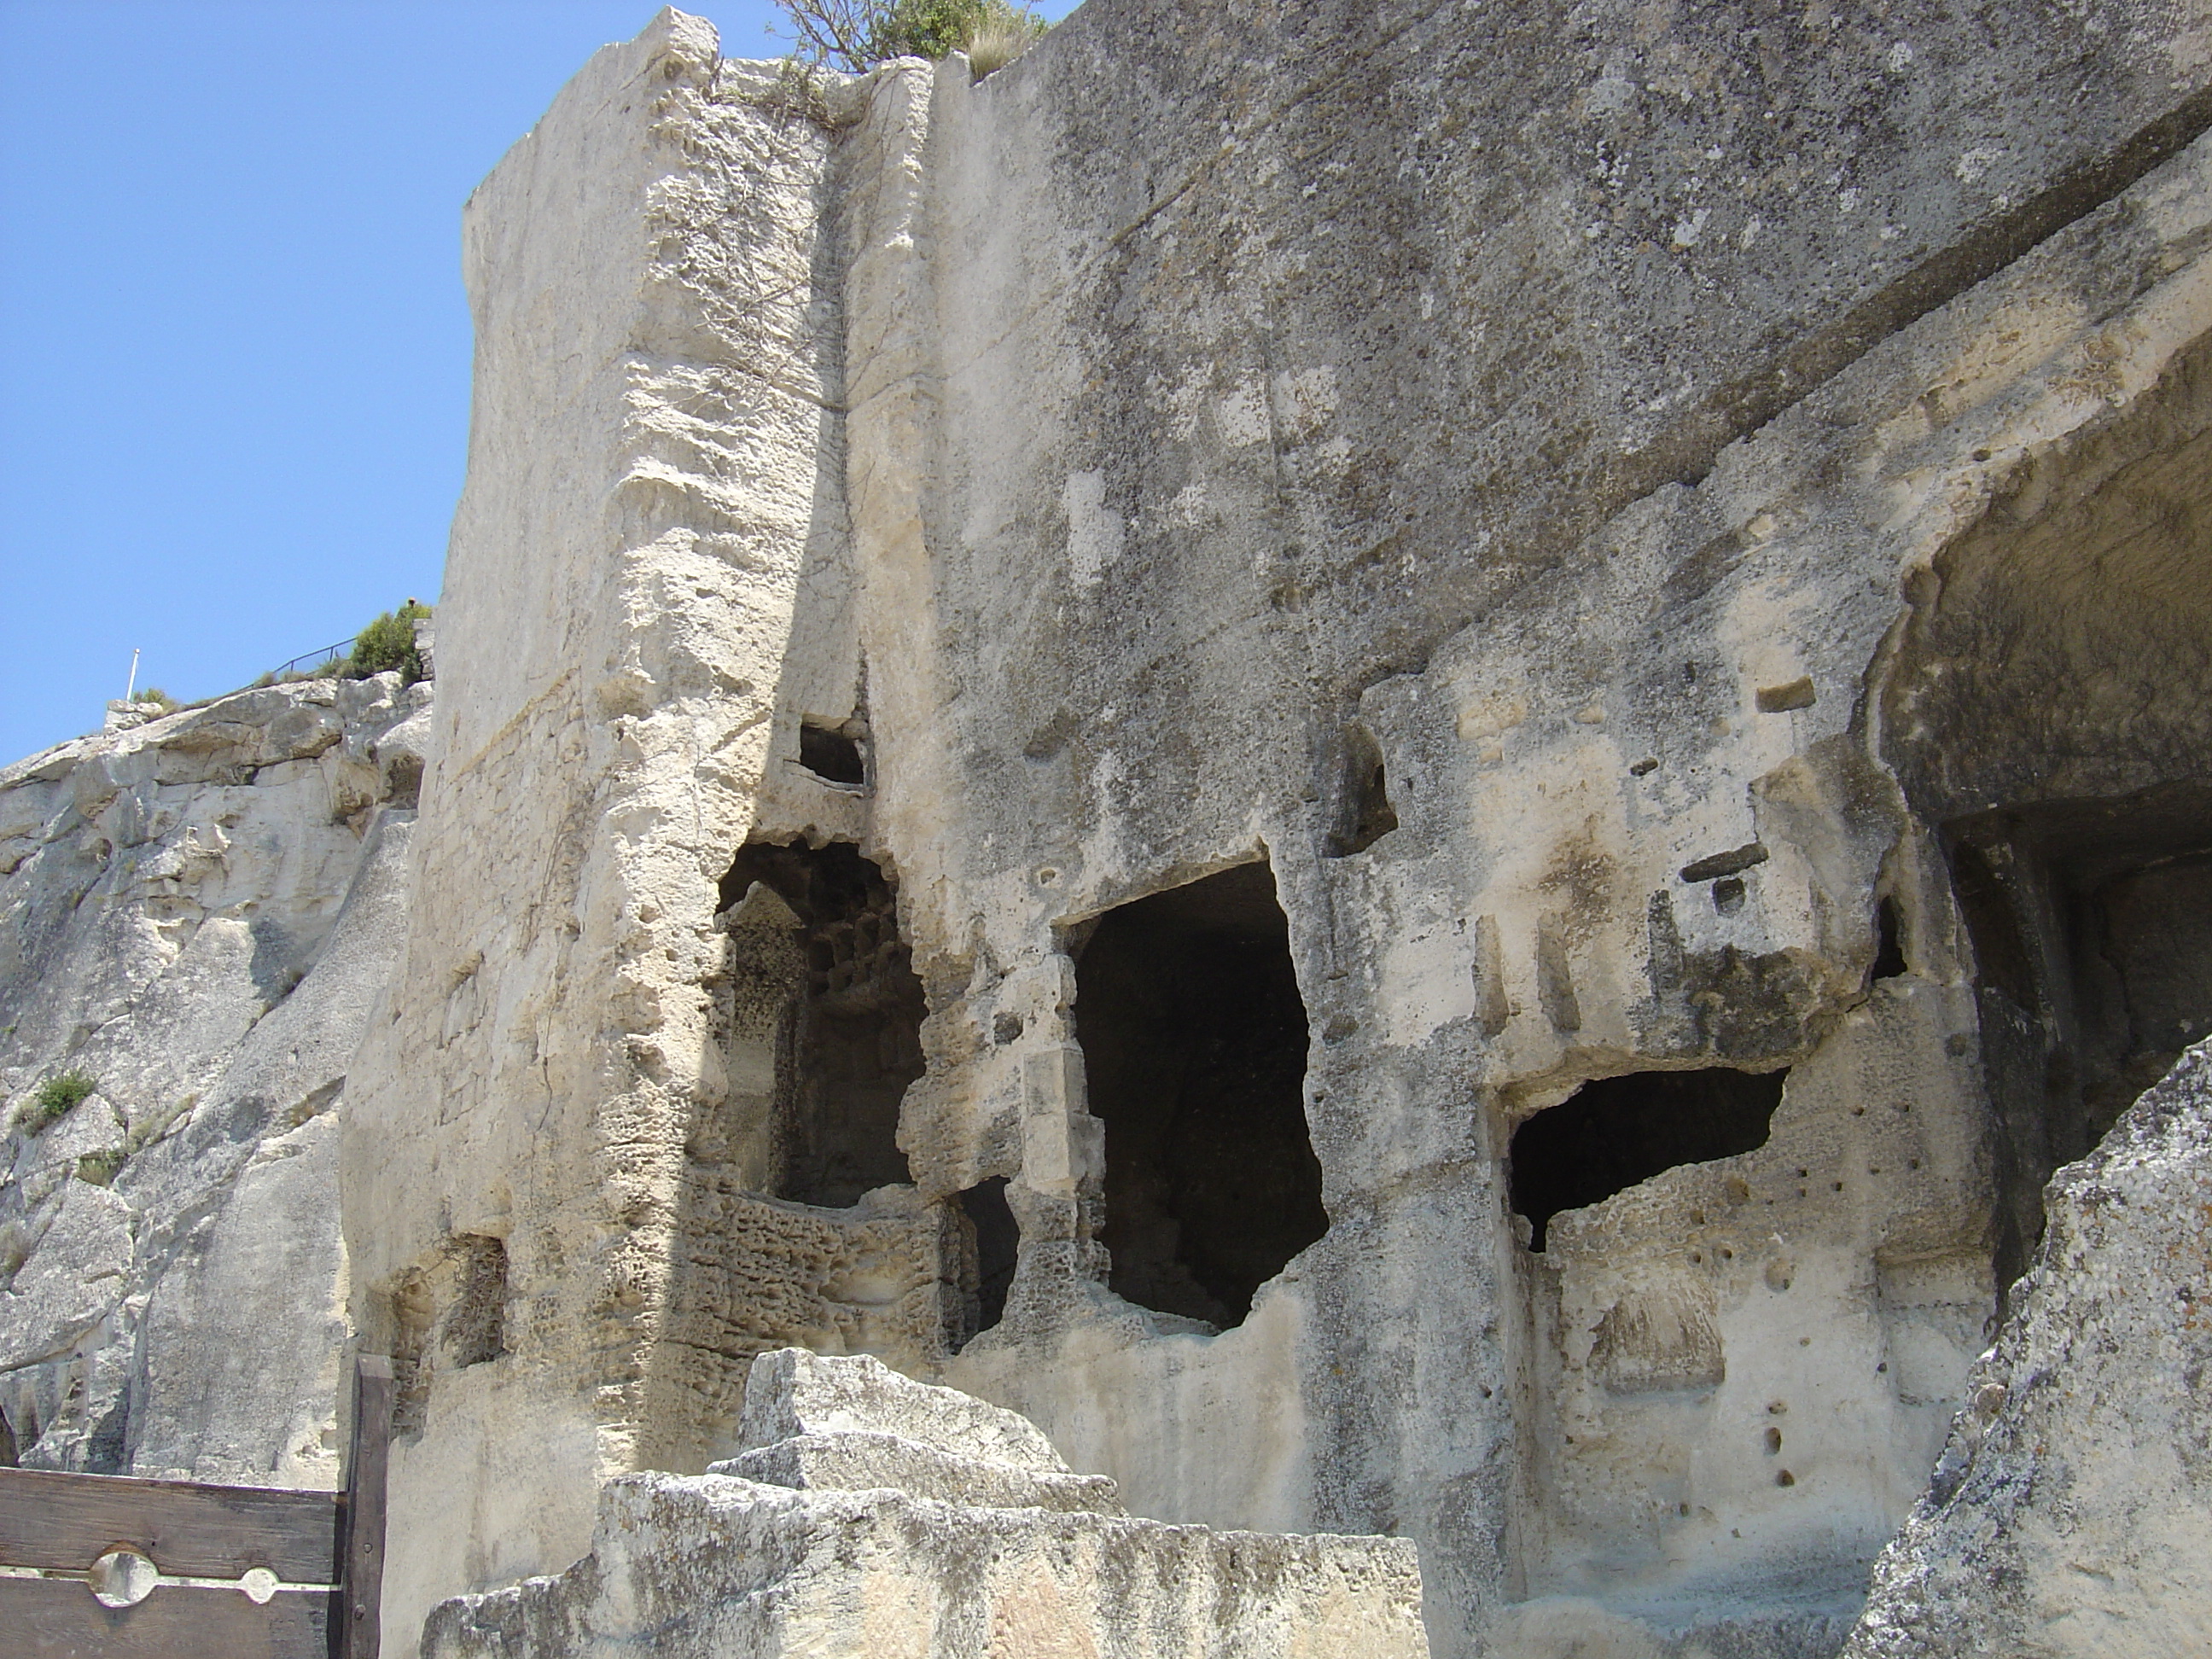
[[55, 1098]]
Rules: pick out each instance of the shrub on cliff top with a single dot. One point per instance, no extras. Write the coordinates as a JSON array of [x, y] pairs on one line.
[[854, 36], [389, 642]]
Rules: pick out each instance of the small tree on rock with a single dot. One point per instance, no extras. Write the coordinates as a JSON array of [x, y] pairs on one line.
[[856, 35]]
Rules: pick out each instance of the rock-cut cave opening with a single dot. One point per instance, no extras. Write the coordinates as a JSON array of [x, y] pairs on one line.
[[1614, 1133], [847, 1039], [2051, 708], [2092, 928], [996, 1238], [1194, 1039]]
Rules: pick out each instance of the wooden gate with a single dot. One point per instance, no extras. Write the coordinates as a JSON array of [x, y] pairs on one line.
[[99, 1566]]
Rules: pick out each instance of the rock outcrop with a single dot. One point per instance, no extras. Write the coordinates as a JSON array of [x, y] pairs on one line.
[[871, 1515], [2070, 1513], [197, 912]]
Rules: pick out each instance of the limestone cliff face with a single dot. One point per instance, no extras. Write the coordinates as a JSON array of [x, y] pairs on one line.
[[197, 915], [1412, 765]]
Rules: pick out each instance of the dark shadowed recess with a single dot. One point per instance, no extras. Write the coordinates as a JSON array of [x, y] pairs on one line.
[[997, 1239], [2051, 709], [851, 1039], [1888, 942], [1194, 1042], [831, 755], [1613, 1134], [1364, 813], [2092, 926]]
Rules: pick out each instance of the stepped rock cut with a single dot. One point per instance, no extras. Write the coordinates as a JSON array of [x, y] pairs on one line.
[[840, 1554]]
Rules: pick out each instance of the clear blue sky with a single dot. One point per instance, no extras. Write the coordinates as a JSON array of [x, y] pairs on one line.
[[234, 346]]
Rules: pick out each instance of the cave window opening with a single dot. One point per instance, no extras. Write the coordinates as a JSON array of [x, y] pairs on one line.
[[1619, 1132], [1366, 815], [1193, 1038], [848, 1045], [997, 1237], [8, 1452], [831, 755]]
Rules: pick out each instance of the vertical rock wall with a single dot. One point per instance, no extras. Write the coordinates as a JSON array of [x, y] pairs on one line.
[[545, 1198]]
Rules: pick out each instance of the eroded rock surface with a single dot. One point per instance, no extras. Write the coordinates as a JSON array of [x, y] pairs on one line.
[[778, 1552], [196, 913], [2071, 1510]]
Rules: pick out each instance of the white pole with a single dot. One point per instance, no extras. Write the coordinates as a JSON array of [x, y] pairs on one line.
[[129, 689]]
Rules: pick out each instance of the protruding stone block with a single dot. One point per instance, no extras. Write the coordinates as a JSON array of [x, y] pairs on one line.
[[893, 1517], [793, 1394]]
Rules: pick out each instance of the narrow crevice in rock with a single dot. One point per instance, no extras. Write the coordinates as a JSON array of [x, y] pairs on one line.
[[1889, 961]]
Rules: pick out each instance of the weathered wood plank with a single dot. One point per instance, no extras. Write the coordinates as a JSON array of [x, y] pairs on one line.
[[65, 1521], [362, 1525], [60, 1619]]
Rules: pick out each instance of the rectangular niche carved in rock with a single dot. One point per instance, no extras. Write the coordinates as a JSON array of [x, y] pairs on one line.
[[1194, 1039], [1611, 1134], [835, 1002], [449, 1312]]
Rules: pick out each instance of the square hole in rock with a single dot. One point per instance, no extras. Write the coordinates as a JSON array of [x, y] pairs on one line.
[[832, 755], [1194, 1039]]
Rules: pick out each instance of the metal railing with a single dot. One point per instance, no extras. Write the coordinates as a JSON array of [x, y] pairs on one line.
[[315, 661]]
